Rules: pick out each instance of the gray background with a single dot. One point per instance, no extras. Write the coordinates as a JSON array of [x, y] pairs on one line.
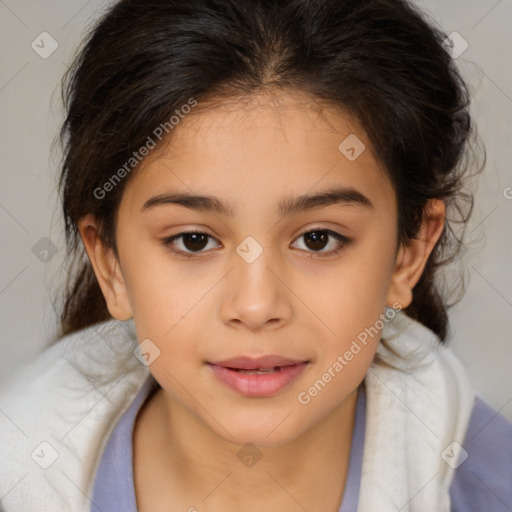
[[31, 114]]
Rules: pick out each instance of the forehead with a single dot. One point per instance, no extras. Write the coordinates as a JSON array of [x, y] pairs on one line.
[[260, 149]]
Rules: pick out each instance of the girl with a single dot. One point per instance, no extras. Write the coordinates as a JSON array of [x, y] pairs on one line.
[[258, 198]]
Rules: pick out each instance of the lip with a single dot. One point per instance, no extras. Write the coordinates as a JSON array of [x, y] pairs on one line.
[[253, 363], [258, 384]]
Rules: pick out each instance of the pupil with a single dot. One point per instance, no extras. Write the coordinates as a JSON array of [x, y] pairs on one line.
[[198, 241], [317, 238]]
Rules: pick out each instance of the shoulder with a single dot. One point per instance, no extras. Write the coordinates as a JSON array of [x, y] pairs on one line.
[[55, 414], [483, 480], [83, 358]]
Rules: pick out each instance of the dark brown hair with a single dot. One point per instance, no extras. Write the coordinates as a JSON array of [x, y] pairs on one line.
[[382, 61]]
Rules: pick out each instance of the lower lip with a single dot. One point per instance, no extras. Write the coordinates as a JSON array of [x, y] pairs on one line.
[[258, 385]]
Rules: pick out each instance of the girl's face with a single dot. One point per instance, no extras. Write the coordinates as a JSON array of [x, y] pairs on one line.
[[255, 283]]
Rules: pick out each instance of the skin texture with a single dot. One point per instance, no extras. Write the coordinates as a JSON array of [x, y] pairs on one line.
[[289, 301]]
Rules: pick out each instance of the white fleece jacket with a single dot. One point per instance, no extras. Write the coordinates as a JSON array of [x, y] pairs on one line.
[[55, 422]]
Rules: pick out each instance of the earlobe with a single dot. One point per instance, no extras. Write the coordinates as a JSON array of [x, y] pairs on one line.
[[413, 257], [106, 268]]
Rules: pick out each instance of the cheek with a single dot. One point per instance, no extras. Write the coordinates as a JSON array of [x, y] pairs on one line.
[[171, 306], [162, 291], [351, 303], [354, 292]]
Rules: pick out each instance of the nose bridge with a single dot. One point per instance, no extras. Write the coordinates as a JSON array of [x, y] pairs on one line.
[[255, 293], [253, 262]]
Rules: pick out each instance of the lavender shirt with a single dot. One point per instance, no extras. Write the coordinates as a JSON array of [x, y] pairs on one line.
[[483, 482]]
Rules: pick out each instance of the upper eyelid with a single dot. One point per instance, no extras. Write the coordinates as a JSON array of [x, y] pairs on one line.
[[339, 236], [201, 232]]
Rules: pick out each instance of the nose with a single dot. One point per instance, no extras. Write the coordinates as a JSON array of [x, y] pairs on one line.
[[255, 295]]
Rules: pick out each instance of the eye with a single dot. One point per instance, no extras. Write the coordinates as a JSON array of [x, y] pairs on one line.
[[194, 242], [318, 238]]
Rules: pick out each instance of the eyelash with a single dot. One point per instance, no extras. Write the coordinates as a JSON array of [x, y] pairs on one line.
[[344, 241]]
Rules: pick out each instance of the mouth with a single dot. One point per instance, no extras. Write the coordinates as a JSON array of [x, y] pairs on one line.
[[258, 377], [263, 363], [258, 371]]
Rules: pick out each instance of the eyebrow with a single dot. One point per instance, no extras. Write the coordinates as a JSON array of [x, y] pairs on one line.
[[287, 206]]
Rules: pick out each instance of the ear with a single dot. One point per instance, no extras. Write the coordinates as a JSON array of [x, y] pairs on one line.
[[412, 258], [106, 268]]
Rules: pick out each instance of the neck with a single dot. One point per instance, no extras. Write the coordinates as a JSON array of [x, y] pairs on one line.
[[304, 472]]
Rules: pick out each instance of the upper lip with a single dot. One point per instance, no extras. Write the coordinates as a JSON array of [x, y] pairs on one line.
[[253, 363]]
